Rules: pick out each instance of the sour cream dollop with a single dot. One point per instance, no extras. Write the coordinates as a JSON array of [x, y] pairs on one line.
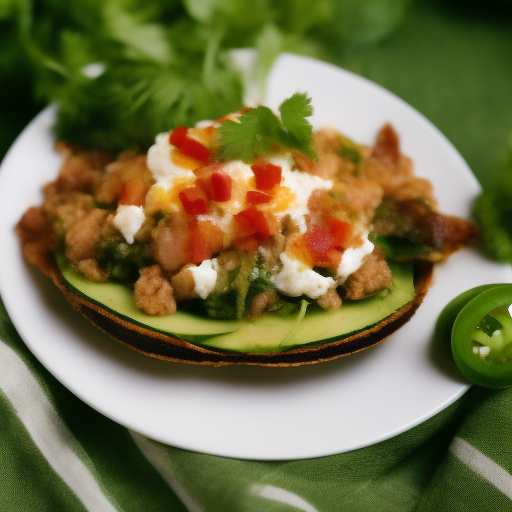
[[128, 220], [205, 277], [160, 164], [352, 259], [297, 279]]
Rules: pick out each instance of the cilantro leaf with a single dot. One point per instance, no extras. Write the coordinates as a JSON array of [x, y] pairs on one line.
[[164, 63], [259, 129], [252, 136], [299, 132]]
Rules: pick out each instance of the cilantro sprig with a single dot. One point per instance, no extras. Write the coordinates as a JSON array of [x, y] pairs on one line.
[[492, 210], [258, 130], [122, 71]]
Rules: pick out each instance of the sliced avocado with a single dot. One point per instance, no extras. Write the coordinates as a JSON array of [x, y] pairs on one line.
[[266, 332], [119, 300], [269, 332]]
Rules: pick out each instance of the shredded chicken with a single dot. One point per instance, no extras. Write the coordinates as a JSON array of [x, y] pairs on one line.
[[37, 236], [64, 210], [127, 166]]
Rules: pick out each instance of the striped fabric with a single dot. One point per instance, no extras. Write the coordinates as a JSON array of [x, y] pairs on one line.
[[57, 454]]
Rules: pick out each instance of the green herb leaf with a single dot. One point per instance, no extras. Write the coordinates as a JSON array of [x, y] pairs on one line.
[[259, 129], [401, 249], [299, 132], [493, 213], [253, 136]]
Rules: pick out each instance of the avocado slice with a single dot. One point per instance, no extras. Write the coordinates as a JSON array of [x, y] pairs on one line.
[[269, 331], [266, 334], [118, 299]]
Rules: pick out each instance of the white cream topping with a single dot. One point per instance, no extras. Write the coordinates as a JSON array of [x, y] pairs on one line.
[[221, 222], [302, 185], [128, 220], [161, 166], [238, 171], [296, 279], [205, 277], [206, 123], [352, 259]]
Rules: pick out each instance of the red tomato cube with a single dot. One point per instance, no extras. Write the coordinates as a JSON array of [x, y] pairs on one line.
[[257, 197], [178, 135], [251, 220], [339, 230], [133, 193], [319, 243], [221, 186], [194, 149], [267, 175], [194, 201]]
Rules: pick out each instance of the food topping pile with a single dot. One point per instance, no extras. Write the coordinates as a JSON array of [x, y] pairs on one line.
[[242, 215]]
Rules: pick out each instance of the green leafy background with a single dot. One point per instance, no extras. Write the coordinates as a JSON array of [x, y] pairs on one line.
[[166, 64], [451, 60]]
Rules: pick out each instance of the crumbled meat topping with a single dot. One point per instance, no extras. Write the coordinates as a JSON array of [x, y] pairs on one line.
[[372, 276], [153, 293], [320, 216]]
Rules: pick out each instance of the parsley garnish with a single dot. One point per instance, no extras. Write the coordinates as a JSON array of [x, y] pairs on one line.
[[259, 130]]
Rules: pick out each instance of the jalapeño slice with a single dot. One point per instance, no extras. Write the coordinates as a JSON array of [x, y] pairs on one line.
[[481, 337]]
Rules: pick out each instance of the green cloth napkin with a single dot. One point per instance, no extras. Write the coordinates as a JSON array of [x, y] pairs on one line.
[[58, 454], [454, 64]]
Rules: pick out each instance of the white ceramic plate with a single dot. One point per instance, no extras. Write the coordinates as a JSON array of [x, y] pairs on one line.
[[251, 412]]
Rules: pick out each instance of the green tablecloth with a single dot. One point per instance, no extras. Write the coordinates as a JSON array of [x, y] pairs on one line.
[[57, 454]]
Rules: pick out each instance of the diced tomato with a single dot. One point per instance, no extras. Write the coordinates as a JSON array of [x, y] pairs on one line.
[[243, 224], [178, 136], [188, 146], [214, 182], [198, 245], [194, 149], [319, 242], [247, 243], [133, 193], [205, 239], [297, 249], [194, 201], [267, 175], [204, 178], [257, 197], [221, 186], [339, 230], [251, 220]]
